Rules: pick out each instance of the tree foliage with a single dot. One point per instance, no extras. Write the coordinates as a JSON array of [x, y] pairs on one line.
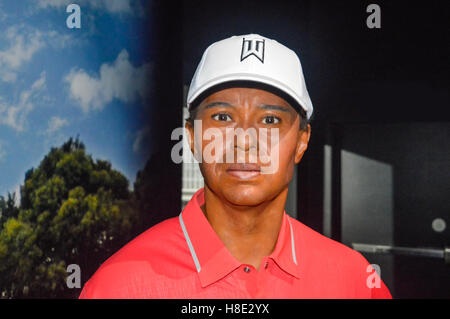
[[73, 210], [8, 208]]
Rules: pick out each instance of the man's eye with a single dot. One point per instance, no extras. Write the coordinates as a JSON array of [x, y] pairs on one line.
[[271, 120], [222, 117]]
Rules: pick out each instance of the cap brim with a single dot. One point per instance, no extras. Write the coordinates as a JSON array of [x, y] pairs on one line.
[[250, 81]]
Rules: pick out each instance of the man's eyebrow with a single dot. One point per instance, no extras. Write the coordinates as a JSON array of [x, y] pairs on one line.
[[213, 104], [274, 107]]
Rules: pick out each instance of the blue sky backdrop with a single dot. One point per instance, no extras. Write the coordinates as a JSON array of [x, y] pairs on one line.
[[57, 82]]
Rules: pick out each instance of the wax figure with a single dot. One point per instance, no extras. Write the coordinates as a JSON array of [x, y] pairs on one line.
[[234, 238]]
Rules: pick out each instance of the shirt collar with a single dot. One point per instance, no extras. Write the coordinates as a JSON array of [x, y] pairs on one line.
[[212, 259]]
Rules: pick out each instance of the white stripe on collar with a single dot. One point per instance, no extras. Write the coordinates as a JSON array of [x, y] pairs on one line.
[[188, 240], [292, 242], [194, 255]]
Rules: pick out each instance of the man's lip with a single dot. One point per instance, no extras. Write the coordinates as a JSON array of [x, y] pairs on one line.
[[244, 167], [244, 171]]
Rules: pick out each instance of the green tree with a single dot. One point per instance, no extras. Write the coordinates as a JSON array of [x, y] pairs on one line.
[[73, 210], [8, 208]]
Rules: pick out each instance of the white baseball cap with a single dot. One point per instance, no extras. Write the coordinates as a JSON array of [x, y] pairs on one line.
[[251, 58]]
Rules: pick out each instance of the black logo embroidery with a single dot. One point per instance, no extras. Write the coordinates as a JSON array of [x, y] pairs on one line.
[[253, 47]]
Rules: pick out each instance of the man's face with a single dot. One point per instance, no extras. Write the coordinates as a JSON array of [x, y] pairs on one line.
[[245, 180]]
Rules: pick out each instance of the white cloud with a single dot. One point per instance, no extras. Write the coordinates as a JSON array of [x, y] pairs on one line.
[[119, 80], [2, 151], [22, 47], [142, 139], [52, 3], [23, 42], [18, 195], [56, 123], [59, 41], [15, 114], [112, 6]]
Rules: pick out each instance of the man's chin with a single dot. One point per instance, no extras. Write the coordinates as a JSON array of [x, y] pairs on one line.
[[244, 197]]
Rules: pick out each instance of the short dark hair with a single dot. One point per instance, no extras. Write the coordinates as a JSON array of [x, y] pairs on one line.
[[304, 121]]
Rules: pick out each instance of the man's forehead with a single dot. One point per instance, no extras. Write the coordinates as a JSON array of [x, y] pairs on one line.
[[238, 95]]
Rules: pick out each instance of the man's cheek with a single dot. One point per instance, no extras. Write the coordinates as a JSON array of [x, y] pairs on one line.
[[273, 166], [211, 173], [282, 158]]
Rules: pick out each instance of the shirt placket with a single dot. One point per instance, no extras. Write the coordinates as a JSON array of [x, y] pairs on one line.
[[255, 280]]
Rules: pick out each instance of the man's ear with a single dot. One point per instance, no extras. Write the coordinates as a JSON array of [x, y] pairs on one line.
[[302, 143], [190, 134]]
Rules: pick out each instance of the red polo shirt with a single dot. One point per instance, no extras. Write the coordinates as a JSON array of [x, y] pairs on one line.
[[182, 257]]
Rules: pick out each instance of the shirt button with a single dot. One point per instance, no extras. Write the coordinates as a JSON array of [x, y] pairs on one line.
[[247, 269]]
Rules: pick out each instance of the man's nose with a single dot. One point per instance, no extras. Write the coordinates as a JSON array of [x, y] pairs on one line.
[[246, 139]]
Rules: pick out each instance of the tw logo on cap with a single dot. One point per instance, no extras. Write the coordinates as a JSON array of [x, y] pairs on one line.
[[252, 47]]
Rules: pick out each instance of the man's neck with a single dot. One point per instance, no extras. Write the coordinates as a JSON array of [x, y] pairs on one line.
[[249, 232]]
